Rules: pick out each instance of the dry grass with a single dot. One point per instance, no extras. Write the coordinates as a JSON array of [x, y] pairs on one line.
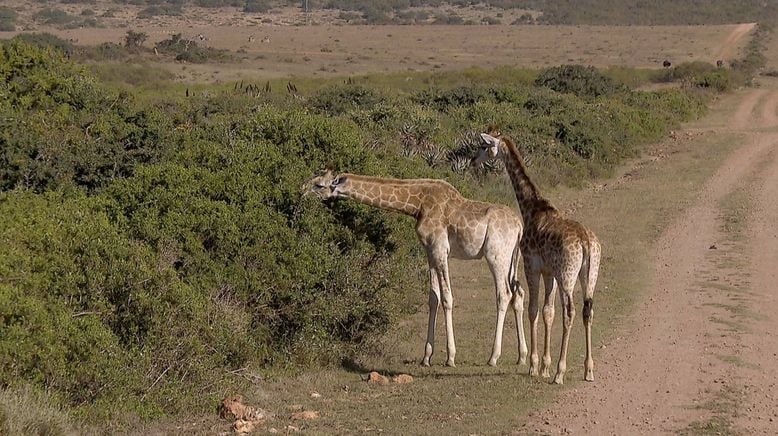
[[24, 411], [334, 50]]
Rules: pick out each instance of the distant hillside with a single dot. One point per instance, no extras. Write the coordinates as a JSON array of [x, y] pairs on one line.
[[649, 12], [620, 12], [611, 12]]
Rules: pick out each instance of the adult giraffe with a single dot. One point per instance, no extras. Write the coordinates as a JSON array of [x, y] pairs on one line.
[[560, 250], [447, 224]]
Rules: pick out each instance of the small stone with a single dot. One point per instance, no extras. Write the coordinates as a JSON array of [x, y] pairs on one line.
[[402, 379], [377, 378], [241, 426], [315, 395], [295, 407], [272, 430], [713, 247], [292, 428], [306, 415]]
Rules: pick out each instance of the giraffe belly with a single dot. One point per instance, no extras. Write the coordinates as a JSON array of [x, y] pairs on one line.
[[463, 250]]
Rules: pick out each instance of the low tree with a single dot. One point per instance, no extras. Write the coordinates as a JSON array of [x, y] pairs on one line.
[[134, 40]]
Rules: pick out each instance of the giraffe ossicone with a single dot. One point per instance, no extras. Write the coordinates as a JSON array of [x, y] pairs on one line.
[[558, 250], [447, 224]]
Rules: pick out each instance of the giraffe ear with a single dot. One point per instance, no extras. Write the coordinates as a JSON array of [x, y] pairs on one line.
[[489, 139]]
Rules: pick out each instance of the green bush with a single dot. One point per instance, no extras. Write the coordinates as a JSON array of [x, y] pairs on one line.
[[72, 129], [339, 99], [46, 40], [187, 50], [157, 10], [579, 80], [53, 16], [257, 6]]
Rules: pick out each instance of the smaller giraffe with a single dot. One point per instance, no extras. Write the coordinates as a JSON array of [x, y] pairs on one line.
[[447, 224], [559, 250]]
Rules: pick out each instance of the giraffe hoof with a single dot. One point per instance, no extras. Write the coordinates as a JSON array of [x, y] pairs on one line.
[[533, 371], [425, 363], [492, 363], [545, 373], [559, 380], [589, 376], [451, 364]]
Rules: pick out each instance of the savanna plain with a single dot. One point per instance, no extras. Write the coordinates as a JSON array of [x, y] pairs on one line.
[[157, 255]]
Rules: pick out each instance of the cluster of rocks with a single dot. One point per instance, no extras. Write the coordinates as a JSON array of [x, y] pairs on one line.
[[378, 379], [246, 419]]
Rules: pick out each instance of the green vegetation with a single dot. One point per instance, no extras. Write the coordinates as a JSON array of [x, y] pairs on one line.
[[157, 250], [188, 50]]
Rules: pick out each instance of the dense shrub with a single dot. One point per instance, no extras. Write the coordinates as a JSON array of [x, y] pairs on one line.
[[45, 39], [339, 99], [257, 6], [53, 16], [579, 80], [187, 50], [60, 127], [156, 10]]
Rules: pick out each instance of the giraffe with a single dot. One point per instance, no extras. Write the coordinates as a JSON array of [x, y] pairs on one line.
[[559, 250], [447, 224]]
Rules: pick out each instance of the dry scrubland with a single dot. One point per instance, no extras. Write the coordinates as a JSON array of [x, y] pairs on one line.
[[276, 49]]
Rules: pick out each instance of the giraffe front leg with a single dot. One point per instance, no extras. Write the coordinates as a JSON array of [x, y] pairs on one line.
[[548, 321], [434, 302], [448, 307], [503, 299]]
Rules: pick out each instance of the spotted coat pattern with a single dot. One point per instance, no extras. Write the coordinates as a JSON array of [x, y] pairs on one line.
[[557, 250]]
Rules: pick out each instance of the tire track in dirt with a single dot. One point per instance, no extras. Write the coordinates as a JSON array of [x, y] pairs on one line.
[[680, 357], [759, 343], [743, 118], [729, 47], [769, 113]]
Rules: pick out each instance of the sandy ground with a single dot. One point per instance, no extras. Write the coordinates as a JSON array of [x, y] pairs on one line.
[[700, 352]]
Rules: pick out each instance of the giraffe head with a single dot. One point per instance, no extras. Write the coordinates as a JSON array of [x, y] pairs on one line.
[[325, 185], [492, 146]]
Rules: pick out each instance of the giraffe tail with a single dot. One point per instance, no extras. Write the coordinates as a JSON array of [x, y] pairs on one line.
[[513, 272], [592, 250]]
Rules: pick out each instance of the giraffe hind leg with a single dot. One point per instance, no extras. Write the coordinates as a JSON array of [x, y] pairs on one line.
[[588, 278], [533, 287]]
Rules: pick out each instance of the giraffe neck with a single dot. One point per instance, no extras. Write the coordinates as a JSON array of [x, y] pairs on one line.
[[403, 196], [531, 203]]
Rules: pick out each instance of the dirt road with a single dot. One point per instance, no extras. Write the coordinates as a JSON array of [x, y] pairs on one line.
[[728, 49], [700, 355]]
